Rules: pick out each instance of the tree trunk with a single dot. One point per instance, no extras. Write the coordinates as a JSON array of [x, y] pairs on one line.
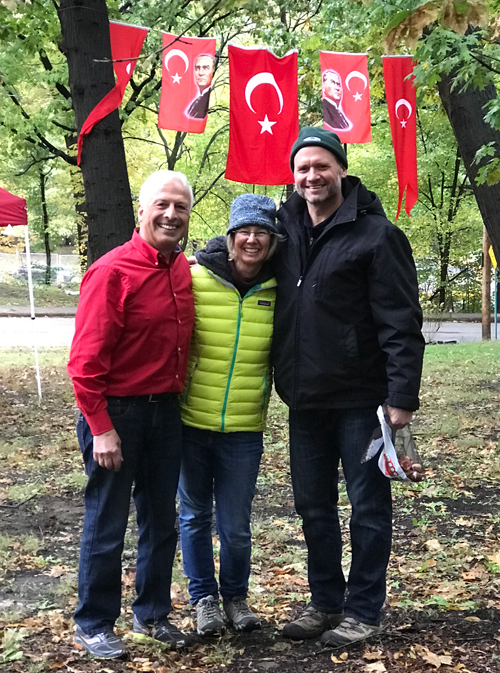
[[486, 293], [76, 178], [465, 110], [46, 236], [110, 215]]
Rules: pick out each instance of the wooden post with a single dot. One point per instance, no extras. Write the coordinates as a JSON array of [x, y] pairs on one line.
[[486, 292]]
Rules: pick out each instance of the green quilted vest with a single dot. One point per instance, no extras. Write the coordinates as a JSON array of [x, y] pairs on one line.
[[229, 378]]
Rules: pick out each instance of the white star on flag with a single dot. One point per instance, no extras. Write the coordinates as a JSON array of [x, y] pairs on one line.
[[177, 78], [358, 96], [403, 123], [266, 125]]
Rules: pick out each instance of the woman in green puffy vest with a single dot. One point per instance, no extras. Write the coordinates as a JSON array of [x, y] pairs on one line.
[[224, 407]]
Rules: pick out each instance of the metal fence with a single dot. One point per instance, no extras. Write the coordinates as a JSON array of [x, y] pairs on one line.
[[13, 265]]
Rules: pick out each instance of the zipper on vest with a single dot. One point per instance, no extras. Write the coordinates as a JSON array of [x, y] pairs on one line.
[[252, 290], [231, 370]]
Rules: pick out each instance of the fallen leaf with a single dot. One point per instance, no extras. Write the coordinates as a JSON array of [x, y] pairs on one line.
[[376, 667], [472, 619], [445, 659], [372, 656], [339, 660], [428, 656], [433, 545]]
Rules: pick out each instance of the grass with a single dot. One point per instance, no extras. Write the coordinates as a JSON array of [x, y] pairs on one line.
[[15, 293]]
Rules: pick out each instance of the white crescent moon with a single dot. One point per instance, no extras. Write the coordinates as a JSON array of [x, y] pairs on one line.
[[403, 101], [359, 75], [177, 52], [262, 78], [128, 68]]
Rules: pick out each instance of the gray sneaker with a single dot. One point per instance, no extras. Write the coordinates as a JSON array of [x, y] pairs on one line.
[[165, 632], [240, 616], [209, 619], [349, 631], [311, 624], [105, 645]]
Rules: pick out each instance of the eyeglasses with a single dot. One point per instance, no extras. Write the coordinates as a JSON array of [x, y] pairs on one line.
[[259, 234]]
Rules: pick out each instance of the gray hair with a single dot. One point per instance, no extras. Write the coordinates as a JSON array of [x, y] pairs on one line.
[[159, 178], [273, 244]]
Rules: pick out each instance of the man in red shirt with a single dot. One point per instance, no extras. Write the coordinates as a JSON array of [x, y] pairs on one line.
[[128, 363]]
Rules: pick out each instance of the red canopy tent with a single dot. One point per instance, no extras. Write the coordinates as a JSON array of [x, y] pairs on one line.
[[13, 212], [12, 209]]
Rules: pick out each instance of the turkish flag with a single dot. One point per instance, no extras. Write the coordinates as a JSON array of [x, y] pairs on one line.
[[345, 96], [188, 68], [263, 115], [12, 209], [126, 43], [402, 105]]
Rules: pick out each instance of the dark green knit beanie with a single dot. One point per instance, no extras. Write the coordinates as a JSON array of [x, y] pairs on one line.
[[311, 136]]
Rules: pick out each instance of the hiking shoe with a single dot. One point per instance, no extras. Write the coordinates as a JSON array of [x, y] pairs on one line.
[[311, 623], [105, 645], [209, 619], [165, 632], [240, 615], [349, 631]]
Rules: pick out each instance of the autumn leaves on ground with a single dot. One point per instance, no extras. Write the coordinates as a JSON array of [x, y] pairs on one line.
[[443, 605]]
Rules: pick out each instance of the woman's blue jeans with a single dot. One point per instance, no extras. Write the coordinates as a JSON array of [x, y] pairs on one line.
[[224, 466], [319, 439], [150, 433]]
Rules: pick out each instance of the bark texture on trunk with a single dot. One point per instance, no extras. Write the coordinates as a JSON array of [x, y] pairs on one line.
[[465, 110], [108, 203]]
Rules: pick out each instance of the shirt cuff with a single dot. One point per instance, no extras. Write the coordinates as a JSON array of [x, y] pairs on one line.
[[99, 422]]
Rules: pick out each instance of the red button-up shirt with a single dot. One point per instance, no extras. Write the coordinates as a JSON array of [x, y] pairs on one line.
[[133, 327]]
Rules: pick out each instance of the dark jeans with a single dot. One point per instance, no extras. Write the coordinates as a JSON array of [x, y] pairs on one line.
[[150, 433], [224, 465], [319, 438]]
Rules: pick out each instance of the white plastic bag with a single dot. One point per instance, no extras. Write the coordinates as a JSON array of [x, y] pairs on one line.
[[388, 460]]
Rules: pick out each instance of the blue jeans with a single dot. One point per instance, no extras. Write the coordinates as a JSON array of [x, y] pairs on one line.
[[319, 439], [224, 465], [151, 436]]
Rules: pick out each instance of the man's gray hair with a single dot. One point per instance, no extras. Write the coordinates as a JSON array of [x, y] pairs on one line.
[[157, 179]]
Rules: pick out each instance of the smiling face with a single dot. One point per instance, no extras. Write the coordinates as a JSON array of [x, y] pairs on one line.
[[164, 218], [332, 86], [251, 246], [318, 176], [203, 71]]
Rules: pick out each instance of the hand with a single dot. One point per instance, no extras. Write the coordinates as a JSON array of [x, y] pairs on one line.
[[107, 450], [192, 260], [397, 418]]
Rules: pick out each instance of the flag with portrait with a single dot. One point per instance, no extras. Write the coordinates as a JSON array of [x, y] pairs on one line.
[[345, 96], [187, 73]]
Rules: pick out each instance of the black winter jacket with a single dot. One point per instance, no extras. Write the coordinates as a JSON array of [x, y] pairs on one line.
[[348, 322]]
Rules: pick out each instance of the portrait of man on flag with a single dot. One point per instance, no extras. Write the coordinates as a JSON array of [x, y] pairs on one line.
[[332, 92], [203, 74]]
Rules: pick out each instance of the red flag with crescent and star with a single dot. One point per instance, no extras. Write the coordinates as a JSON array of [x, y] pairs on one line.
[[402, 105], [126, 43], [188, 68], [345, 96], [263, 115]]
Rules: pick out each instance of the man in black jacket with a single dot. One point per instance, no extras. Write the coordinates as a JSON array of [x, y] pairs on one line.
[[347, 338]]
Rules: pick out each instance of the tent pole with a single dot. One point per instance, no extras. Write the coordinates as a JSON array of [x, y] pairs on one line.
[[32, 309]]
